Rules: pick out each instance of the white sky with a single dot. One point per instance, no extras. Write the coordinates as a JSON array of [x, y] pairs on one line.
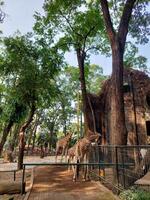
[[20, 17]]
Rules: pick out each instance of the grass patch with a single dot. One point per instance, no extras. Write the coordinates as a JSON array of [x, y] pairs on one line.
[[135, 194]]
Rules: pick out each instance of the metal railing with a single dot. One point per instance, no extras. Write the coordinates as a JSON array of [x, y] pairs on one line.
[[129, 164], [117, 167]]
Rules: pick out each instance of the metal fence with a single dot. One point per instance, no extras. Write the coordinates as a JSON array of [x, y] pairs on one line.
[[120, 166], [117, 167]]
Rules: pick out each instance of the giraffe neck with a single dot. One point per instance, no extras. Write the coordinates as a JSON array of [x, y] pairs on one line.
[[93, 137]]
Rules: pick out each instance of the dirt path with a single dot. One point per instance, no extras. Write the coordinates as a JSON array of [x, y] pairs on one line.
[[53, 183]]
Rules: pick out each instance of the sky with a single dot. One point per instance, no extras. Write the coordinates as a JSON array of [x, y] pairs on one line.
[[19, 16]]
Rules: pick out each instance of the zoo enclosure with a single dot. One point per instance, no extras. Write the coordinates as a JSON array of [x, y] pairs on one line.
[[120, 166], [117, 167]]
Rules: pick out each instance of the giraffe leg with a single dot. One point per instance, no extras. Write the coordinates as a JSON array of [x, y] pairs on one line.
[[63, 153], [66, 153], [75, 171], [56, 155], [86, 169], [69, 161]]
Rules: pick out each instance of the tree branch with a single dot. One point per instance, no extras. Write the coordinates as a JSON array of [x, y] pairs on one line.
[[70, 24], [109, 26], [85, 37], [29, 120], [124, 22]]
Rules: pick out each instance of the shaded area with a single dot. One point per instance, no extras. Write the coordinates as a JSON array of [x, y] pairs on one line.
[[56, 183]]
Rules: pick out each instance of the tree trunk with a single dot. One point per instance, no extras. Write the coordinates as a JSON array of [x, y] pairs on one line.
[[86, 111], [81, 128], [14, 138], [5, 134], [78, 115], [21, 137], [33, 140], [32, 131], [64, 127], [117, 123], [42, 151], [117, 41]]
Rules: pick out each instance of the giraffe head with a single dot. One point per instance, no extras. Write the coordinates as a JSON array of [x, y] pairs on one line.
[[69, 135], [93, 136]]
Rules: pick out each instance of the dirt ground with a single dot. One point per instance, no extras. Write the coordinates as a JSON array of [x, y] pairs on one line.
[[54, 183], [8, 177]]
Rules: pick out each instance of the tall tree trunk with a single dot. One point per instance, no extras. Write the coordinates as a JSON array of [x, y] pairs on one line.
[[5, 134], [117, 41], [81, 128], [32, 130], [93, 115], [81, 58], [37, 122], [15, 137], [22, 138], [117, 123], [33, 140], [78, 115]]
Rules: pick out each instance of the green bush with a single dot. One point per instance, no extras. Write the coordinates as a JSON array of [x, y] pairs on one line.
[[135, 194]]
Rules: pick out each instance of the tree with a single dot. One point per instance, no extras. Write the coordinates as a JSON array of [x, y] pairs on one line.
[[117, 40], [93, 78], [133, 60], [30, 77], [2, 14], [80, 31]]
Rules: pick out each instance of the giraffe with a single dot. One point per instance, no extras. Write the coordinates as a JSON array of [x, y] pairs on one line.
[[82, 151], [62, 145], [71, 154]]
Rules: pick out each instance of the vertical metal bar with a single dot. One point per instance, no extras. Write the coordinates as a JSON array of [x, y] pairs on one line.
[[23, 184], [99, 167], [103, 167], [123, 166], [77, 167], [117, 169], [14, 175]]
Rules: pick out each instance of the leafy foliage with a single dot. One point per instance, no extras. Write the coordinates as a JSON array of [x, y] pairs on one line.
[[27, 77], [133, 60], [135, 194]]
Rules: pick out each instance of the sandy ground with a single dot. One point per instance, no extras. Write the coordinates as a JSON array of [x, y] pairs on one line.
[[54, 183], [8, 176]]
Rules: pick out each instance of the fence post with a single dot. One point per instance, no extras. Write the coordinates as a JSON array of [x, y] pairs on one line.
[[77, 167], [14, 175], [117, 169], [99, 168], [123, 166], [23, 183]]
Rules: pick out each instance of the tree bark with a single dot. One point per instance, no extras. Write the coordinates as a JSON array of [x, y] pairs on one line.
[[34, 132], [5, 134], [117, 41], [33, 140], [21, 137], [31, 133], [15, 137], [117, 125], [81, 58]]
